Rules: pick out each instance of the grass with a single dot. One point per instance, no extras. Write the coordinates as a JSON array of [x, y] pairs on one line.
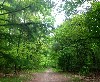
[[14, 79], [24, 76], [56, 70], [74, 77]]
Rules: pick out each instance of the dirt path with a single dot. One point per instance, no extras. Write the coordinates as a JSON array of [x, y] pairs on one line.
[[49, 76]]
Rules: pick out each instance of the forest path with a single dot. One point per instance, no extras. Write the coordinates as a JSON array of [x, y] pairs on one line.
[[49, 76]]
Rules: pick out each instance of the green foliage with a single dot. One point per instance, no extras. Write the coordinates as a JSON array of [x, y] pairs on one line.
[[77, 42], [21, 32], [27, 40], [70, 6]]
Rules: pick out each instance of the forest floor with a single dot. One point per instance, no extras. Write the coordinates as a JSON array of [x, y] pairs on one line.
[[50, 76]]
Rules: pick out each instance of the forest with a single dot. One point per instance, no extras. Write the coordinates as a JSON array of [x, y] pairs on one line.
[[29, 39]]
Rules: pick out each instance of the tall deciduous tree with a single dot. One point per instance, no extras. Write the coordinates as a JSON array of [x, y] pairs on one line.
[[22, 25]]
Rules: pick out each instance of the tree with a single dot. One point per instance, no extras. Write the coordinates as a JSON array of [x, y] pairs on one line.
[[21, 28], [77, 43]]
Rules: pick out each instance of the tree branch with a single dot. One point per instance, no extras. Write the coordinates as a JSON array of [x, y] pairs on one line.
[[15, 24], [15, 10]]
